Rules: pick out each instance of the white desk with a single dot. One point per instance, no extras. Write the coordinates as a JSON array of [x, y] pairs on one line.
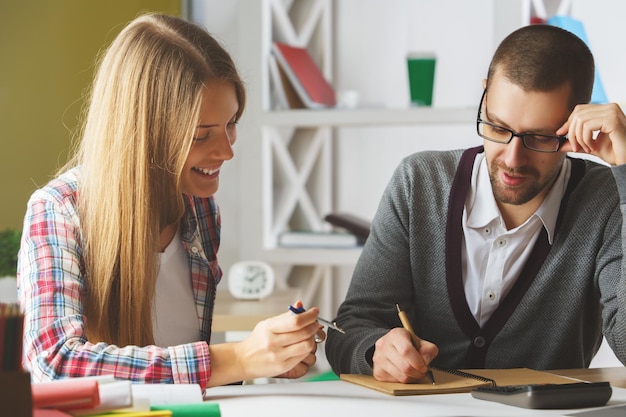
[[339, 398]]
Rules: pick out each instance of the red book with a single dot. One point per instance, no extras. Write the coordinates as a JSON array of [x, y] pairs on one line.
[[66, 394], [304, 75]]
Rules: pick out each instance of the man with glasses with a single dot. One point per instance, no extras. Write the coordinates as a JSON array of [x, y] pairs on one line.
[[505, 255]]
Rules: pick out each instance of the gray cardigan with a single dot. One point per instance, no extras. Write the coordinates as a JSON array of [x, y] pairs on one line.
[[574, 296]]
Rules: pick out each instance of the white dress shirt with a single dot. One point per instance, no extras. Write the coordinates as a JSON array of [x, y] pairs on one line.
[[492, 256]]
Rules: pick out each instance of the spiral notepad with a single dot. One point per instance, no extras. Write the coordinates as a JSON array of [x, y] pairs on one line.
[[456, 380]]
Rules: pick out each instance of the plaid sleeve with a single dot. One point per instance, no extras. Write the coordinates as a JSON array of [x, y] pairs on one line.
[[51, 288]]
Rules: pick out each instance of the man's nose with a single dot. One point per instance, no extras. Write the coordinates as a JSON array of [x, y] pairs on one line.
[[515, 152]]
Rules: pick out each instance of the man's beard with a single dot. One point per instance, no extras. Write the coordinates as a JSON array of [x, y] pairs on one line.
[[518, 195]]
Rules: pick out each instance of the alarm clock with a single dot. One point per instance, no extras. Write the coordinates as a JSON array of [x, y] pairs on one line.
[[249, 280]]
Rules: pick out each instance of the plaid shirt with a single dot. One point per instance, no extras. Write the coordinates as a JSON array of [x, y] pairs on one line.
[[51, 290]]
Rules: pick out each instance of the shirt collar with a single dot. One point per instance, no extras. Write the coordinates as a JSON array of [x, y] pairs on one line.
[[481, 207]]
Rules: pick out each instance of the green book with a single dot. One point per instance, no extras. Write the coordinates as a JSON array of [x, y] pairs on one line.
[[204, 409]]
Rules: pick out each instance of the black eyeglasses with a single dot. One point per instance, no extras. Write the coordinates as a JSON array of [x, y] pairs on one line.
[[500, 134]]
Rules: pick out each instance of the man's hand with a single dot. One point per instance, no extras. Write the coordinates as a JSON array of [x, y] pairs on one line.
[[597, 129], [396, 359]]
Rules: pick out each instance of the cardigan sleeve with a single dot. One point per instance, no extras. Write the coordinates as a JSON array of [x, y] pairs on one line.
[[612, 284]]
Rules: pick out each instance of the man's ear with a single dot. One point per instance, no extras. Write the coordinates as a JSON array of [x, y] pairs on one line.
[[484, 83]]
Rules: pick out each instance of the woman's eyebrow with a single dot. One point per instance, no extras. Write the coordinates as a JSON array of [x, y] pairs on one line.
[[204, 126]]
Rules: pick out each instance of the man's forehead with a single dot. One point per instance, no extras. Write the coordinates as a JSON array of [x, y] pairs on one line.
[[508, 104]]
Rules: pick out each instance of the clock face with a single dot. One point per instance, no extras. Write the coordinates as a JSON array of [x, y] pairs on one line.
[[250, 280]]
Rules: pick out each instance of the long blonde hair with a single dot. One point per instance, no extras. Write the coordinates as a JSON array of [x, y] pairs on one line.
[[144, 107]]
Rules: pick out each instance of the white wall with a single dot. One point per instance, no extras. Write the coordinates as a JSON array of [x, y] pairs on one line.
[[370, 57]]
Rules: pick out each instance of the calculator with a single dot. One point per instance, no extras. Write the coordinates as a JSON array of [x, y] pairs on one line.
[[548, 396]]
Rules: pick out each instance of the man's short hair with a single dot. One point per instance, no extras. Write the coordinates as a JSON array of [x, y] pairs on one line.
[[543, 58]]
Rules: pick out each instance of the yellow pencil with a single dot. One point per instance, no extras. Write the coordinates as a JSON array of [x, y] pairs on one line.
[[416, 340]]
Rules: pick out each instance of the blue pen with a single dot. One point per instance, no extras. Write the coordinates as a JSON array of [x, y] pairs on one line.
[[296, 310], [328, 323]]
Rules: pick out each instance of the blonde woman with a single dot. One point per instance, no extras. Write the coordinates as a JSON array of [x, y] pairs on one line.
[[117, 268]]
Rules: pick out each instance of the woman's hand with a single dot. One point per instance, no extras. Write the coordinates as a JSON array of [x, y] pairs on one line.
[[283, 345]]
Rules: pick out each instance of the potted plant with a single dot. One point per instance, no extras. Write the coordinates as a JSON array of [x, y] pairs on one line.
[[9, 246]]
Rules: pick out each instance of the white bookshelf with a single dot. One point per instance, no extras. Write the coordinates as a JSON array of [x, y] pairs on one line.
[[290, 152]]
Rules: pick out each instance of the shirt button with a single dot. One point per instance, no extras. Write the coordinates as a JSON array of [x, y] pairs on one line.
[[44, 354], [500, 243], [194, 249], [487, 231], [491, 295], [480, 342]]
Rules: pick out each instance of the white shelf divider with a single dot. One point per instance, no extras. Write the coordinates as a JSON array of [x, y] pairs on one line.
[[369, 117]]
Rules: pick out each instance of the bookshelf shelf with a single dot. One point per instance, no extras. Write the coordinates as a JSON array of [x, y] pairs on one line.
[[321, 256], [368, 117]]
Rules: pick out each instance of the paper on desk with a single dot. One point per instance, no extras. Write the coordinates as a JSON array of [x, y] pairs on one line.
[[166, 394], [619, 411], [113, 395], [140, 398]]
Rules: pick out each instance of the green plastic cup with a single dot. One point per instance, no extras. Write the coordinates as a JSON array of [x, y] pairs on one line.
[[421, 70]]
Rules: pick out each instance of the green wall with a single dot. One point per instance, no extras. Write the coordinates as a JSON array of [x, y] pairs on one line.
[[47, 54]]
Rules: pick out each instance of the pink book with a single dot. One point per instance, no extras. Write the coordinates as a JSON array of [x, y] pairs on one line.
[[66, 394], [304, 75]]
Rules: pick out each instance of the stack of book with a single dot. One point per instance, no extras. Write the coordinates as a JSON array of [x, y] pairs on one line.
[[87, 396], [352, 232], [356, 225], [105, 396]]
